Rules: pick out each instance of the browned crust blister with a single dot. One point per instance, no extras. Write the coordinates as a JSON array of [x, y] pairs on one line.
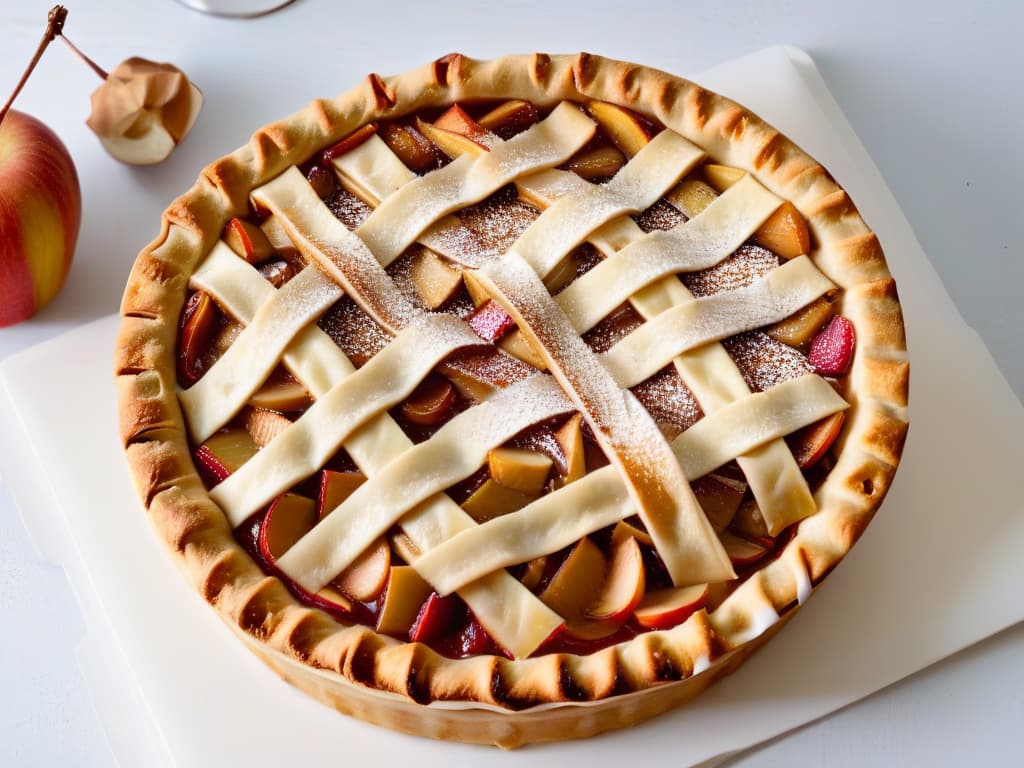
[[494, 699]]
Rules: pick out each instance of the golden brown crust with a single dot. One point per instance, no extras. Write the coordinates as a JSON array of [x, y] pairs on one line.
[[492, 699]]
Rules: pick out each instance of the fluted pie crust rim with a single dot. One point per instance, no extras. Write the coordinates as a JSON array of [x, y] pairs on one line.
[[490, 699]]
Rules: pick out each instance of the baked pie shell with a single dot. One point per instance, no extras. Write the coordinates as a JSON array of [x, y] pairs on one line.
[[491, 699]]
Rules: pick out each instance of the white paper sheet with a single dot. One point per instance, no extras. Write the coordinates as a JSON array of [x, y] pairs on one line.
[[938, 570]]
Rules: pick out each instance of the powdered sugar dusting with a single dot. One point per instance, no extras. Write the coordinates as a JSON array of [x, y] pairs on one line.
[[615, 327], [739, 270], [456, 242], [765, 362], [348, 209], [355, 332], [669, 401], [499, 221], [662, 215], [471, 372]]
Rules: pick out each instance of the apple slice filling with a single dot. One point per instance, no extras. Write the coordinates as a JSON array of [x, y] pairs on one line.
[[612, 584]]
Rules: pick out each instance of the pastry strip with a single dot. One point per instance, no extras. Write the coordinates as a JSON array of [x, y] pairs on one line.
[[388, 378], [415, 206], [700, 243], [623, 427], [222, 391], [455, 451], [372, 171], [772, 298], [600, 499]]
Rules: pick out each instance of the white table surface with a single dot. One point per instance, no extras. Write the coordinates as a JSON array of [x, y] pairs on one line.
[[930, 88]]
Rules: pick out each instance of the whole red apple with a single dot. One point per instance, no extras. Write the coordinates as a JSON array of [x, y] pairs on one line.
[[40, 210]]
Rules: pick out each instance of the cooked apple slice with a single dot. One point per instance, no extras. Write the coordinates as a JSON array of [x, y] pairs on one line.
[[434, 619], [436, 281], [785, 232], [563, 274], [490, 321], [198, 324], [534, 572], [509, 118], [364, 579], [832, 349], [492, 500], [456, 120], [624, 529], [335, 487], [451, 143], [577, 583], [748, 521], [405, 595], [691, 196], [741, 551], [411, 146], [570, 440], [431, 402], [623, 585], [802, 326], [402, 546], [813, 441], [224, 452], [277, 272], [476, 290], [226, 335], [283, 396], [666, 608], [289, 518], [520, 348], [519, 469], [349, 143], [719, 497], [247, 240], [721, 177], [599, 163], [264, 425], [623, 127]]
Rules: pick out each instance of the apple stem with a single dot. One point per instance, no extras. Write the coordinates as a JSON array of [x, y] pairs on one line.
[[54, 26], [95, 67]]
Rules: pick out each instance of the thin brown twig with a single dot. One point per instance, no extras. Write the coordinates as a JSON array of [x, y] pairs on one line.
[[95, 67], [54, 27]]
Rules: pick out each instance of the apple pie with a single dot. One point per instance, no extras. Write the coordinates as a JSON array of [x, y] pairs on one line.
[[516, 400]]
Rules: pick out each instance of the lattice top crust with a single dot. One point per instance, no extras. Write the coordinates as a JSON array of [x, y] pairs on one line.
[[517, 365]]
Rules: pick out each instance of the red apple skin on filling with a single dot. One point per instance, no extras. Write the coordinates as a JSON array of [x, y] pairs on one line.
[[40, 211]]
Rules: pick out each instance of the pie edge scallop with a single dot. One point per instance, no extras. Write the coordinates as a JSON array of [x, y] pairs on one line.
[[491, 699]]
